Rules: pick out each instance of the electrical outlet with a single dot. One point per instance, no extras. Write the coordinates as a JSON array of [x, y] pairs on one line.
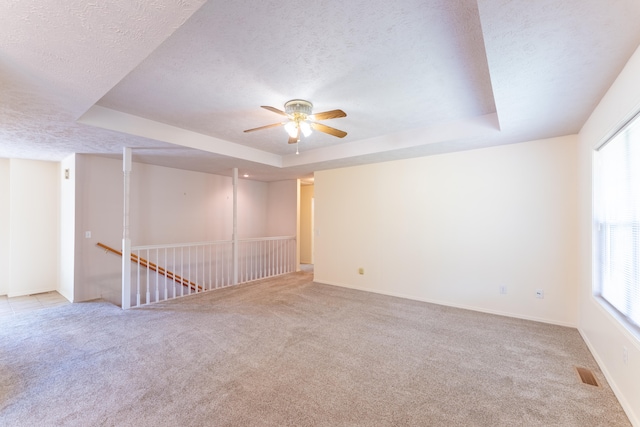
[[539, 293], [503, 289], [625, 355], [87, 234], [361, 270]]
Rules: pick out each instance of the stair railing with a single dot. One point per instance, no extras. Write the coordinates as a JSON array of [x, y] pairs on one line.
[[162, 272], [154, 267]]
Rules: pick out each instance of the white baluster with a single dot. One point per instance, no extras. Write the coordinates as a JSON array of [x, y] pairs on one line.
[[138, 282]]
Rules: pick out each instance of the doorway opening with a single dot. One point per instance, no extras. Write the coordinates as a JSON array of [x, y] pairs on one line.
[[307, 201]]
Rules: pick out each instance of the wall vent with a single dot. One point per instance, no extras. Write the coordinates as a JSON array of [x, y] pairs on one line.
[[587, 376]]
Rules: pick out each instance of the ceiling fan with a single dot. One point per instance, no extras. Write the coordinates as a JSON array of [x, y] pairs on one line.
[[302, 121]]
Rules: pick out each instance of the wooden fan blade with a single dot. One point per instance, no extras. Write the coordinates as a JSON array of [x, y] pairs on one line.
[[275, 110], [294, 140], [265, 127], [326, 129], [333, 114]]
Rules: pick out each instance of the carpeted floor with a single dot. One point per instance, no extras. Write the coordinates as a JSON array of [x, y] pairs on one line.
[[289, 352]]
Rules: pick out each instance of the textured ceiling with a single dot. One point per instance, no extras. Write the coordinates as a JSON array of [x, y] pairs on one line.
[[180, 80], [214, 72]]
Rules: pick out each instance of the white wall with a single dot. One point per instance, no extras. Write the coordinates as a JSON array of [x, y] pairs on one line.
[[167, 206], [34, 234], [98, 210], [252, 208], [604, 335], [173, 205], [4, 226], [67, 226], [453, 228], [282, 208]]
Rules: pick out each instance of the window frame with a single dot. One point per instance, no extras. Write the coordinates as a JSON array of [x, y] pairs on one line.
[[598, 228]]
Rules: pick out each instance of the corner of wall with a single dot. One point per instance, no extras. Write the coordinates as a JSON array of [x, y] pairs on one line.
[[605, 336], [67, 226], [5, 264]]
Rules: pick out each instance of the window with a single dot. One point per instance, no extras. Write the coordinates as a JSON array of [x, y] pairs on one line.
[[617, 222]]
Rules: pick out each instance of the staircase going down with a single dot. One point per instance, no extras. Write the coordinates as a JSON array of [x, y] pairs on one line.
[[154, 267]]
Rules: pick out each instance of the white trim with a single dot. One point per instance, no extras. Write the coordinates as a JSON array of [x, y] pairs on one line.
[[448, 304], [619, 127], [626, 406], [620, 321]]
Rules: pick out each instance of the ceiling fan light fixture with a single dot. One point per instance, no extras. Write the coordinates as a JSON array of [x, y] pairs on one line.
[[292, 129], [299, 111], [305, 127]]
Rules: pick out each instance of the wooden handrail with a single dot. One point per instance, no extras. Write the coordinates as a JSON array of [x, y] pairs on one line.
[[154, 267]]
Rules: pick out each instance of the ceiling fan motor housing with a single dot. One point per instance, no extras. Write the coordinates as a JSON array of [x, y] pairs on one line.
[[298, 108]]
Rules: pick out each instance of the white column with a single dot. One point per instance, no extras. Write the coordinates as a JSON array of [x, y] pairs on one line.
[[126, 241], [235, 226], [296, 257]]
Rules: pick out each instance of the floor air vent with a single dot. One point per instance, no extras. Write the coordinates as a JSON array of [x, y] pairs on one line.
[[587, 376]]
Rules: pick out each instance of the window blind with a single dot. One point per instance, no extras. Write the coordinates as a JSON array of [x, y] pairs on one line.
[[617, 221]]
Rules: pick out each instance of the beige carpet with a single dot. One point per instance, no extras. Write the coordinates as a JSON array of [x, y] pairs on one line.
[[289, 352]]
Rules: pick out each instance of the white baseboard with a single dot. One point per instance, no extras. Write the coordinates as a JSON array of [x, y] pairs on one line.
[[448, 304], [628, 409], [22, 293]]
